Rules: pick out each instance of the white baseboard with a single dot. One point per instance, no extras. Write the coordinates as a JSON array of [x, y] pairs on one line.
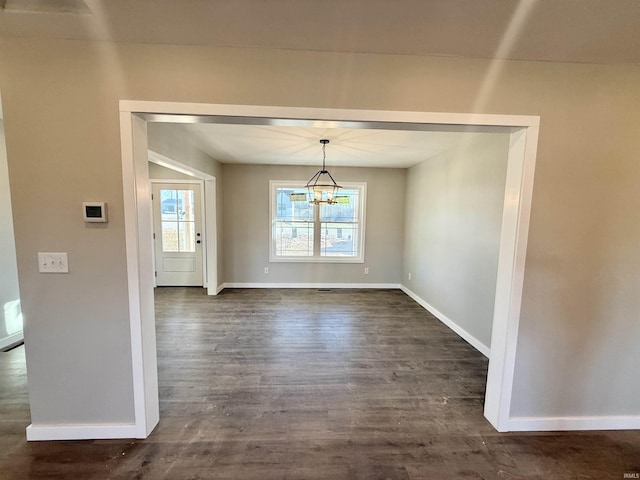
[[80, 432], [310, 285], [11, 340], [466, 336], [219, 288], [546, 424]]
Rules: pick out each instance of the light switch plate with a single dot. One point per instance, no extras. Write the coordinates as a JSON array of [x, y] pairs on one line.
[[53, 262]]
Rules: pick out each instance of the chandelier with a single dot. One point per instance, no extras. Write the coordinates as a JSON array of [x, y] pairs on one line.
[[322, 188]]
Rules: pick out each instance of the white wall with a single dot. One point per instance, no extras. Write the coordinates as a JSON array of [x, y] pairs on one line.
[[10, 311], [452, 231], [247, 227]]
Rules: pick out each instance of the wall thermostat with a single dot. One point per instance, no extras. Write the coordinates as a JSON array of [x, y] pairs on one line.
[[94, 212]]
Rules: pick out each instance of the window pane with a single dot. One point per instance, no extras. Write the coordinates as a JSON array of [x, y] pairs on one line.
[[187, 237], [169, 204], [342, 212], [339, 240], [169, 236], [186, 208], [293, 239], [287, 210]]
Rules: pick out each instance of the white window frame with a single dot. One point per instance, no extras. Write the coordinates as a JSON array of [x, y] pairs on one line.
[[275, 184]]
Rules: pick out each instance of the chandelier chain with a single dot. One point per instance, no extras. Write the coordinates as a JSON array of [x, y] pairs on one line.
[[324, 155]]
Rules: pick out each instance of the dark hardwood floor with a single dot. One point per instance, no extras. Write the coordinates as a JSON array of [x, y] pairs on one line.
[[305, 384]]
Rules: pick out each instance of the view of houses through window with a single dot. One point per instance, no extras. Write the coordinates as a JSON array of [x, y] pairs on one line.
[[317, 232]]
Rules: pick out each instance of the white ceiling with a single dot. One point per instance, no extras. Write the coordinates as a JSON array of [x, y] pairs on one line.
[[591, 31], [284, 145]]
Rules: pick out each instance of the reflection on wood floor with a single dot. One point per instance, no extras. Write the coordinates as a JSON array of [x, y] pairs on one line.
[[307, 384]]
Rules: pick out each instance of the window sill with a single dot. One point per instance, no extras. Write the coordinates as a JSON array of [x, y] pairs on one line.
[[274, 259]]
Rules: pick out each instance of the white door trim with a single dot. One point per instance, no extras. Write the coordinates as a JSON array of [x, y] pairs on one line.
[[210, 222], [139, 248], [511, 264], [513, 243]]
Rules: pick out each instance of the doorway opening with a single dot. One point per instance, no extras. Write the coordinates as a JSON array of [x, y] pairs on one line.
[[523, 131], [11, 324], [13, 368]]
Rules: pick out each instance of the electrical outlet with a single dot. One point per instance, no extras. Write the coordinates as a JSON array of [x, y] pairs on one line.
[[53, 262], [366, 270], [266, 269], [409, 275]]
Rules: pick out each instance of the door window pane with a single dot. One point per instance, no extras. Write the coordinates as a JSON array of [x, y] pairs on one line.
[[186, 200], [177, 209], [187, 237], [170, 237], [169, 205]]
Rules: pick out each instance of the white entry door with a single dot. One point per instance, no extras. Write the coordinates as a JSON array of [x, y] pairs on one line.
[[178, 234]]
